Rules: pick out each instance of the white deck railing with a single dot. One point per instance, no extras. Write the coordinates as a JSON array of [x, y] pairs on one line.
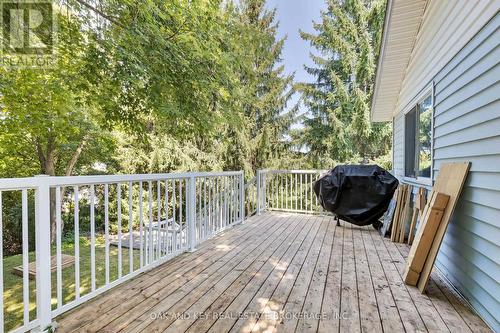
[[288, 190], [122, 225], [167, 214]]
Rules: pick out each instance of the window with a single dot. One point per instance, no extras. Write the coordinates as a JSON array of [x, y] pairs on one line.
[[418, 138]]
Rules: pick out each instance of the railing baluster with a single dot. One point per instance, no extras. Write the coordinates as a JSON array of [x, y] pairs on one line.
[[141, 222], [167, 227], [119, 227], [210, 207], [286, 190], [311, 192], [282, 191], [77, 243], [183, 226], [150, 227], [106, 232], [1, 265], [26, 295], [92, 237], [199, 206], [276, 197], [205, 208], [226, 202], [130, 228], [191, 212], [58, 247], [174, 223], [301, 191], [158, 229], [315, 197], [296, 193]]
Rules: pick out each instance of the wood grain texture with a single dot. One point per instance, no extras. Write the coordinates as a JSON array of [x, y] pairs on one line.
[[279, 273], [450, 181]]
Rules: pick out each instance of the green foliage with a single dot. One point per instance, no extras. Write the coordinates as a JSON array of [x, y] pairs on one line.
[[338, 127], [259, 141]]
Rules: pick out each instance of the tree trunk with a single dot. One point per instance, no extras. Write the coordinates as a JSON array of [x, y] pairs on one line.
[[47, 160]]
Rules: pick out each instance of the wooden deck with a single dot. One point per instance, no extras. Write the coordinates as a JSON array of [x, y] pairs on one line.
[[279, 272]]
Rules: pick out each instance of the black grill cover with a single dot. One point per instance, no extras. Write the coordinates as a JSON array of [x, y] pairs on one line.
[[359, 194]]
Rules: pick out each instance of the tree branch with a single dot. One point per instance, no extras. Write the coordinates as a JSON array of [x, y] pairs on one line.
[[100, 13], [74, 159], [41, 156]]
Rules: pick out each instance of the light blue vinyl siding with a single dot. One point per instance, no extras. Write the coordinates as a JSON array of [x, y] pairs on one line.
[[467, 128], [398, 147]]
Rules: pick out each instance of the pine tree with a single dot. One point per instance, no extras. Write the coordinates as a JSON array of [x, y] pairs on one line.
[[260, 140], [338, 128]]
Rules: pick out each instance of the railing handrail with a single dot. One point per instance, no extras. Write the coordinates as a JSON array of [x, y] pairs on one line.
[[32, 182], [284, 171]]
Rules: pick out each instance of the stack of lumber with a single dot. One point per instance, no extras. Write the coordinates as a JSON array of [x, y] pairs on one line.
[[401, 213], [434, 221]]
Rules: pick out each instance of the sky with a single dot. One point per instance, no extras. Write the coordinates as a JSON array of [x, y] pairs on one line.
[[292, 16]]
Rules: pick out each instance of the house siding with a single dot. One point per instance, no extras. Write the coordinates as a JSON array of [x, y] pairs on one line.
[[446, 27], [467, 128], [398, 146]]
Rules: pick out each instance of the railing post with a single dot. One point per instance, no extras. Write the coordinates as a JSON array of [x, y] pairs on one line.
[[258, 191], [42, 239], [191, 211], [242, 197], [263, 187]]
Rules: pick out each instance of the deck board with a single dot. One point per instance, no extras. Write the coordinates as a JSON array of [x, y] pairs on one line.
[[279, 273]]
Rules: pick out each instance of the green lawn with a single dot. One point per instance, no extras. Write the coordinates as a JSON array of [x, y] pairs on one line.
[[13, 284]]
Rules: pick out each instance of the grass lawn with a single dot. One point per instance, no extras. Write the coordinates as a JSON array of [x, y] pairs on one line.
[[13, 284]]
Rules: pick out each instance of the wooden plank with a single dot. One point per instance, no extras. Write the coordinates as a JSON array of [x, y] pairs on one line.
[[409, 315], [304, 286], [389, 313], [420, 200], [277, 282], [349, 305], [411, 233], [400, 217], [66, 261], [429, 314], [265, 279], [389, 215], [176, 298], [425, 236], [450, 181], [330, 308], [230, 285], [244, 288], [446, 311], [313, 303], [475, 323], [404, 219], [171, 279], [170, 270], [452, 318], [395, 222], [270, 314], [368, 307]]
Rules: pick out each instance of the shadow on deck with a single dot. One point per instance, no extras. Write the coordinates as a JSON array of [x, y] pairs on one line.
[[279, 272]]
